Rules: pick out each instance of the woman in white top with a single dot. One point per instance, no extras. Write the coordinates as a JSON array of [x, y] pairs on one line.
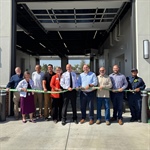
[[26, 98]]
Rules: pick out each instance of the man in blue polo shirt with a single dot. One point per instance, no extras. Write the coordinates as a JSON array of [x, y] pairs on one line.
[[86, 81], [136, 84], [14, 80]]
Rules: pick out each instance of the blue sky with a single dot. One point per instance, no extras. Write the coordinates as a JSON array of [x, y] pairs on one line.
[[58, 62]]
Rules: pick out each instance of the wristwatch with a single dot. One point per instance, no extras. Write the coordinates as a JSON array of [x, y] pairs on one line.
[[90, 85]]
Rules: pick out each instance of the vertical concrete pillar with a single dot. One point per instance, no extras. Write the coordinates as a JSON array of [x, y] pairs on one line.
[[92, 63], [64, 62], [13, 35], [142, 25], [96, 66], [5, 41], [106, 59], [37, 60], [133, 35]]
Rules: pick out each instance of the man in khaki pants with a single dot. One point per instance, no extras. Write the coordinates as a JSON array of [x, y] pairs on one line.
[[37, 78], [46, 87], [14, 80]]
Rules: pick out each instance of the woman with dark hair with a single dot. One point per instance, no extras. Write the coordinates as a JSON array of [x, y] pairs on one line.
[[26, 98]]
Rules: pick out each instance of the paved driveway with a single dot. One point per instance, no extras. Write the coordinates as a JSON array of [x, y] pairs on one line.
[[45, 135]]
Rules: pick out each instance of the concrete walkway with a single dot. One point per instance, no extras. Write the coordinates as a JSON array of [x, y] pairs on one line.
[[45, 135]]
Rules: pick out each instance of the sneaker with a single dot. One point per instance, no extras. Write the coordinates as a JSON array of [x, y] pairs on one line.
[[107, 123], [82, 121], [49, 117], [120, 122], [98, 121]]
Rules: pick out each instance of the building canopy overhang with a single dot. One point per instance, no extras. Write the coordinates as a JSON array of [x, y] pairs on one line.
[[66, 28]]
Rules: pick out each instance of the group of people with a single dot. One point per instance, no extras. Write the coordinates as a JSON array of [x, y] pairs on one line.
[[64, 87]]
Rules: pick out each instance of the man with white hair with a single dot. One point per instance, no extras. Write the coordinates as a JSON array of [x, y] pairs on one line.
[[68, 82], [14, 80]]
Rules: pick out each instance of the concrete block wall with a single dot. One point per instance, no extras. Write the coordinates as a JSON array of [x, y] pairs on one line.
[[142, 12], [5, 41], [129, 48], [121, 51]]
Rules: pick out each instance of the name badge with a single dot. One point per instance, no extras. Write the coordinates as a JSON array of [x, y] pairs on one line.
[[57, 78], [29, 94]]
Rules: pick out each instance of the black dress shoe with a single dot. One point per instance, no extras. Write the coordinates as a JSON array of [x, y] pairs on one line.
[[63, 123], [75, 121], [132, 119]]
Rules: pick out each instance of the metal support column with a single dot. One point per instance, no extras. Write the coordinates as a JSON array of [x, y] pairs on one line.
[[64, 62], [92, 63], [13, 46]]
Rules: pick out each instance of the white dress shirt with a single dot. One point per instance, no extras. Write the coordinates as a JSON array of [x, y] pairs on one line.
[[65, 80]]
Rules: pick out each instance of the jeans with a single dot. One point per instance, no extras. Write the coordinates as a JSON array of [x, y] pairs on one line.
[[87, 98], [100, 101], [135, 104], [117, 100]]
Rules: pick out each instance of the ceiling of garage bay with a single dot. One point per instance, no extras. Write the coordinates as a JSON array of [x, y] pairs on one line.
[[65, 27]]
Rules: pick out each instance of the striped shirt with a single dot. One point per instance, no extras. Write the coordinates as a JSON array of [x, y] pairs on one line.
[[118, 81]]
